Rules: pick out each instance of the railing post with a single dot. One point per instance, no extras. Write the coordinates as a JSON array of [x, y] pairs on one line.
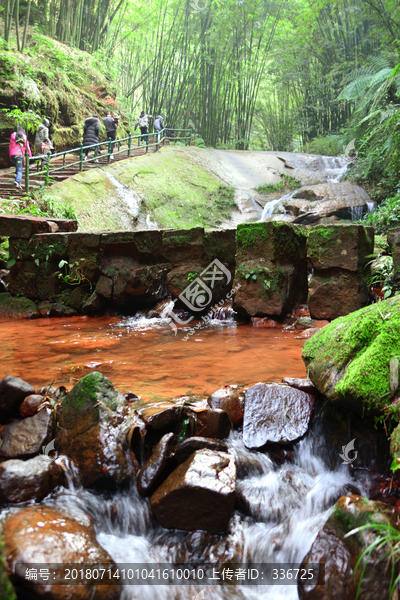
[[157, 134], [147, 142], [26, 171], [48, 166], [119, 145], [81, 158], [109, 151], [129, 144], [64, 160], [190, 137]]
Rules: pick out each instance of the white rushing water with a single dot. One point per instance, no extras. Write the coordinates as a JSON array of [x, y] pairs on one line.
[[128, 198], [287, 505]]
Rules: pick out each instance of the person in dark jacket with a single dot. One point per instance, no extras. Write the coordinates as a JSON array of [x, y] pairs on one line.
[[91, 134], [158, 125]]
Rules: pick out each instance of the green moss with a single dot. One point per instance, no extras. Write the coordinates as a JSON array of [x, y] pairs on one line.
[[360, 347], [287, 183], [251, 234], [7, 591]]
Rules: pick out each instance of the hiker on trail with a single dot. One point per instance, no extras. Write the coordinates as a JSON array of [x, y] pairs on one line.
[[115, 117], [91, 135], [158, 125], [43, 144], [18, 146], [111, 129], [143, 122]]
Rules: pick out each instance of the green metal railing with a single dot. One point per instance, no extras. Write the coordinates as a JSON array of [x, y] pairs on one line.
[[45, 170]]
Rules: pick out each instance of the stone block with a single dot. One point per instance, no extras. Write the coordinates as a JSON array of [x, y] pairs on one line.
[[271, 268], [336, 294], [340, 246], [393, 238], [24, 227], [179, 245]]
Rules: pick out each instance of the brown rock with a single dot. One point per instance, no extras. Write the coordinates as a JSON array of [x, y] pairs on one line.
[[30, 405], [39, 534], [104, 287], [192, 444], [24, 227], [27, 437], [17, 308], [157, 467], [339, 246], [33, 479], [275, 414], [212, 423], [230, 399], [337, 295], [55, 309], [199, 494]]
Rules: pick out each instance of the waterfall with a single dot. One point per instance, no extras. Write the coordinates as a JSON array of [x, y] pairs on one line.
[[128, 196], [287, 504], [335, 167]]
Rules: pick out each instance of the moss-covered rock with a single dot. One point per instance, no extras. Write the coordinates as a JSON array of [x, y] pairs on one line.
[[17, 308], [93, 433], [271, 268], [348, 360], [340, 553]]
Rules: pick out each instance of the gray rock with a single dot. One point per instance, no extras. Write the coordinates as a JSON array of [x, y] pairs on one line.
[[13, 391], [31, 479], [199, 494], [27, 437], [305, 385], [275, 414]]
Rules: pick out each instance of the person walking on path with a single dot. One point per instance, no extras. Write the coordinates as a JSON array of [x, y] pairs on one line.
[[18, 146], [43, 144], [143, 122], [158, 125], [91, 134], [111, 129]]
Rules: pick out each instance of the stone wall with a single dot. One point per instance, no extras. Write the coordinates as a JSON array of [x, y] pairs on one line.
[[266, 263]]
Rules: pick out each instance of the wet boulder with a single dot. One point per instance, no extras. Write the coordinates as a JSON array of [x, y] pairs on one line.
[[305, 385], [192, 444], [271, 268], [93, 433], [212, 423], [31, 479], [230, 398], [158, 466], [13, 391], [39, 534], [275, 414], [56, 309], [340, 554], [27, 437], [348, 360], [199, 494]]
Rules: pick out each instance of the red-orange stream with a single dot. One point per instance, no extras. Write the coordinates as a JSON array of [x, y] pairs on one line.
[[152, 363]]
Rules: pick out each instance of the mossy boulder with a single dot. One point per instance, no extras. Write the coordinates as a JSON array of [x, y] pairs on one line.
[[271, 268], [340, 554], [17, 308], [348, 360], [93, 430]]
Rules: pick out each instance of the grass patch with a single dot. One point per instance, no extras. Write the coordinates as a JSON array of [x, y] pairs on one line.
[[287, 183]]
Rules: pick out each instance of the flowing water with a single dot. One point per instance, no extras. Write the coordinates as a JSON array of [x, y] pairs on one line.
[[288, 505], [145, 356]]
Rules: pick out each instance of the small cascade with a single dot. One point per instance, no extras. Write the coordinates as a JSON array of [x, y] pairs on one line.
[[272, 206], [148, 319], [287, 504], [223, 313], [356, 212], [335, 167], [128, 197]]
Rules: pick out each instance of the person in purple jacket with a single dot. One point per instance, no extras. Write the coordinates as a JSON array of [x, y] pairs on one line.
[[18, 146]]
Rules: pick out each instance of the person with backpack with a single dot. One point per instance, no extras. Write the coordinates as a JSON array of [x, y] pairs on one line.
[[143, 122], [18, 146], [158, 125], [111, 129], [43, 144], [91, 135]]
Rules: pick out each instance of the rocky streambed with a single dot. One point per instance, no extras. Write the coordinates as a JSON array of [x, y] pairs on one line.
[[272, 474]]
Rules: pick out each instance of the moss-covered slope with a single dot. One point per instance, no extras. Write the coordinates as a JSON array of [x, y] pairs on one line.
[[59, 82], [173, 192], [348, 360]]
